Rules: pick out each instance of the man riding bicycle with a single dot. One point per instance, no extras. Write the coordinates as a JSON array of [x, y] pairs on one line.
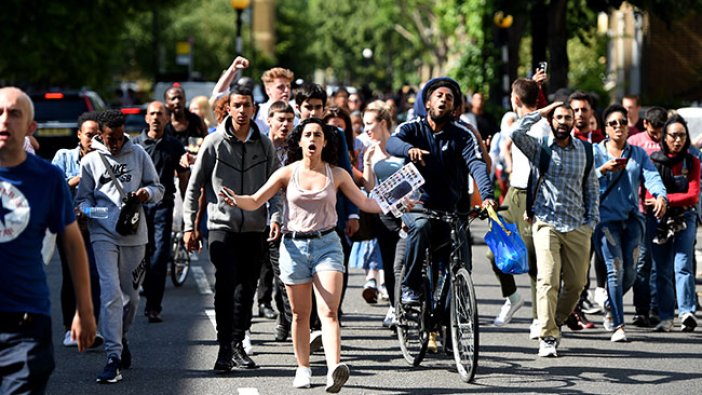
[[445, 150]]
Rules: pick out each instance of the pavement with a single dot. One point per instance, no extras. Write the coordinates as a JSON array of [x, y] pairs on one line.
[[176, 356]]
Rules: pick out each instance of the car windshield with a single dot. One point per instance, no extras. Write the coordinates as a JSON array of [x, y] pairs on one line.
[[65, 110]]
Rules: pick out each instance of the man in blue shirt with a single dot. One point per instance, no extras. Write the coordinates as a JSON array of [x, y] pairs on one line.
[[33, 198], [445, 152]]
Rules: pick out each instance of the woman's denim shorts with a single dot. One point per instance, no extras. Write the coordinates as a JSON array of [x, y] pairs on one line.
[[300, 259]]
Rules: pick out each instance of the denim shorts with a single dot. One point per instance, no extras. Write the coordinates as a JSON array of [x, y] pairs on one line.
[[300, 259]]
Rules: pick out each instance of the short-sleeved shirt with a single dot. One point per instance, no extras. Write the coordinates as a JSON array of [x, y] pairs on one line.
[[193, 130], [33, 197], [165, 153]]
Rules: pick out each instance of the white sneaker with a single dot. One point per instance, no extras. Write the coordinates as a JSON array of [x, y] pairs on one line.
[[315, 341], [601, 297], [246, 343], [507, 311], [389, 320], [534, 330], [619, 335], [68, 341], [337, 377], [547, 347], [664, 326], [688, 322], [303, 377], [608, 322]]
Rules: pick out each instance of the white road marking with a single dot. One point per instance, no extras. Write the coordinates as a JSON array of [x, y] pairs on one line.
[[201, 280], [247, 391]]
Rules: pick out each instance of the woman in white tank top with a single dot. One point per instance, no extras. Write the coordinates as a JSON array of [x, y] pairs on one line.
[[310, 254]]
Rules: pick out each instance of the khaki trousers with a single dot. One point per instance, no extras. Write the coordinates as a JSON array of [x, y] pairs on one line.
[[562, 257]]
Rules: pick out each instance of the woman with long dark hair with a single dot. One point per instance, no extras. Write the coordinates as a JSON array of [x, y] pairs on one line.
[[311, 257]]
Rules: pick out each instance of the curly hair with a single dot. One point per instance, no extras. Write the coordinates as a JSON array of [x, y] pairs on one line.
[[110, 119], [329, 152], [87, 116]]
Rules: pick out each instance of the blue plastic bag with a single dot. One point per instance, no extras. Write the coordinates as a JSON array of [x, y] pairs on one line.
[[507, 246]]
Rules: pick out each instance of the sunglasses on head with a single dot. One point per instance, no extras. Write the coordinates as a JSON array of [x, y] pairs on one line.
[[620, 122]]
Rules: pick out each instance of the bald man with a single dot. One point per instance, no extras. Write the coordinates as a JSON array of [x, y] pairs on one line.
[[34, 197], [165, 151]]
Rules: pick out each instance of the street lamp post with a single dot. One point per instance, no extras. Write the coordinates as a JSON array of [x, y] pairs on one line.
[[239, 6]]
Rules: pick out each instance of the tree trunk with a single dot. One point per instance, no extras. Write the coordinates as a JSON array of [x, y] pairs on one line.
[[515, 34], [558, 45]]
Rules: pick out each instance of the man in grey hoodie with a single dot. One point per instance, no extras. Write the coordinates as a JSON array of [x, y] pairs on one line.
[[119, 258], [240, 157]]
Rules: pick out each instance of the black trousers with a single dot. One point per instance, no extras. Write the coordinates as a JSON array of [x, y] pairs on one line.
[[237, 258], [282, 303]]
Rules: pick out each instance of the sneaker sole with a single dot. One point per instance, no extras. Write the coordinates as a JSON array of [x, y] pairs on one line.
[[340, 375], [110, 381], [689, 324], [548, 354]]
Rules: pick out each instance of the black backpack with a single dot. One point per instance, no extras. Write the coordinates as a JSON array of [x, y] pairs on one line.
[[537, 173]]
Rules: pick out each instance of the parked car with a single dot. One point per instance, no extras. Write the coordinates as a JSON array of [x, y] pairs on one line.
[[135, 120], [56, 114]]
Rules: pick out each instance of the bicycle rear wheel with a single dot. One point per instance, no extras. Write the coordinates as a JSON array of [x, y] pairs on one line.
[[464, 325], [412, 332], [180, 263]]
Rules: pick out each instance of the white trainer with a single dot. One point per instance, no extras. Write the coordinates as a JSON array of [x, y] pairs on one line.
[[534, 330], [507, 311], [303, 377], [337, 377], [68, 340], [619, 335], [246, 343]]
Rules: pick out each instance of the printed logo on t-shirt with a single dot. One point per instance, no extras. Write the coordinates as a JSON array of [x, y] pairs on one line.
[[14, 212], [120, 171]]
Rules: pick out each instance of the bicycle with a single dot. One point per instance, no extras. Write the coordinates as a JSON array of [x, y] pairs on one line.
[[453, 284], [180, 260]]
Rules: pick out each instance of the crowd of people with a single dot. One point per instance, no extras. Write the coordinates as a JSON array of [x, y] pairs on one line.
[[279, 194]]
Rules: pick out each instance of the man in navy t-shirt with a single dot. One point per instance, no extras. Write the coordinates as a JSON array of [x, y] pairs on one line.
[[34, 197]]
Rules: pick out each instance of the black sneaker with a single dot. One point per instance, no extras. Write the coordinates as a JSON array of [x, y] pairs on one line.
[[281, 333], [111, 373], [224, 361], [126, 355], [240, 358], [641, 321], [265, 310]]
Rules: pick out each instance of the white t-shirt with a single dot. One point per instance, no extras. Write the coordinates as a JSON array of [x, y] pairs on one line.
[[520, 163]]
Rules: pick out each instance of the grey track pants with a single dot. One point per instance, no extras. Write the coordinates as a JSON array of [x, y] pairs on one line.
[[121, 271]]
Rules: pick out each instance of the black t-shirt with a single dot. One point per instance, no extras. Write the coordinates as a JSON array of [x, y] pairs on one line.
[[165, 153], [193, 130]]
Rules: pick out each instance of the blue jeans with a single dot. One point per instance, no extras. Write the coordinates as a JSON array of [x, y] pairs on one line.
[[618, 243], [159, 220], [423, 233], [675, 258], [644, 284]]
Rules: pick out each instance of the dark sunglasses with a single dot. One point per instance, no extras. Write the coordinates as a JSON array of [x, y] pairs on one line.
[[620, 122]]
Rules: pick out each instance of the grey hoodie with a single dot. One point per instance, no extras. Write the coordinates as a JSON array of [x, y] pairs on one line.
[[243, 167], [134, 169]]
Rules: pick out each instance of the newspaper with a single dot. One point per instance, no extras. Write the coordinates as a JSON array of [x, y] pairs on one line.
[[391, 193]]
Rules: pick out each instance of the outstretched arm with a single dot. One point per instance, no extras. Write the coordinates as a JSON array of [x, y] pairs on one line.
[[348, 187], [278, 181], [222, 87]]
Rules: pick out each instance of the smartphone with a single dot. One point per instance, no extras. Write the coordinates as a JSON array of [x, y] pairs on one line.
[[621, 161], [543, 66]]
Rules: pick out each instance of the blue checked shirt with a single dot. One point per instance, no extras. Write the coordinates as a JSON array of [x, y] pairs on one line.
[[561, 201]]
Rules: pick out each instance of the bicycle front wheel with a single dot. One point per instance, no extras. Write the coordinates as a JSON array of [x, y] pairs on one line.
[[464, 325], [180, 263], [411, 328]]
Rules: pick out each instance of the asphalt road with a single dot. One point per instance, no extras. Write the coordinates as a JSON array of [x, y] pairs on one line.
[[176, 356]]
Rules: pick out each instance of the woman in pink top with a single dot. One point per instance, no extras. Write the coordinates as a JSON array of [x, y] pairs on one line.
[[311, 257]]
